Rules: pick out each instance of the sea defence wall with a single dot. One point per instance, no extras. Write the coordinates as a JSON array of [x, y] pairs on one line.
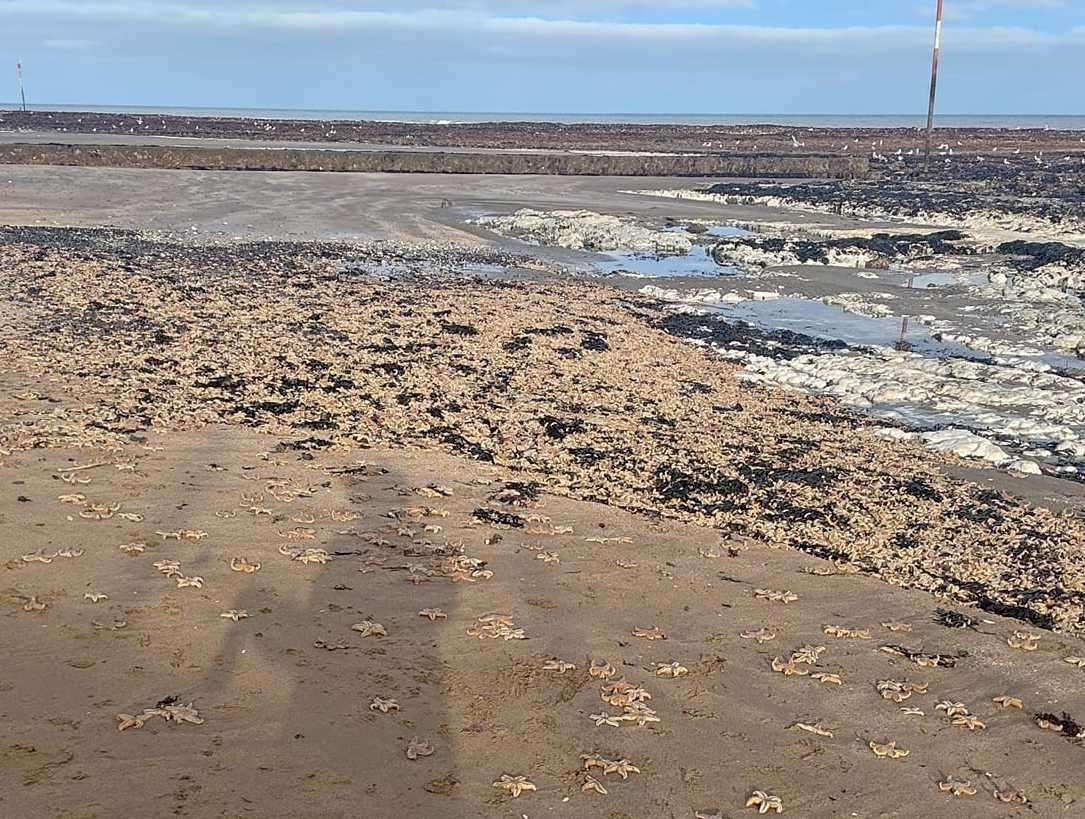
[[448, 162]]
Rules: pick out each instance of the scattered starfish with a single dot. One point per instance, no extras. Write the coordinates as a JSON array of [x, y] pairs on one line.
[[383, 705], [765, 802], [1010, 796], [234, 614], [626, 564], [639, 713], [847, 633], [957, 787], [548, 557], [99, 511], [623, 767], [813, 728], [1006, 701], [1079, 662], [912, 711], [762, 635], [593, 784], [95, 597], [417, 748], [671, 670], [897, 626], [888, 750], [560, 666], [652, 633], [952, 709], [189, 582], [899, 691], [594, 761], [299, 533], [126, 721], [75, 498], [970, 722], [788, 668], [133, 548], [1023, 640], [368, 628], [775, 596], [170, 568], [132, 517], [433, 614], [244, 565], [69, 552], [34, 604], [601, 671], [827, 679], [225, 514], [807, 655], [38, 557], [604, 718], [515, 785]]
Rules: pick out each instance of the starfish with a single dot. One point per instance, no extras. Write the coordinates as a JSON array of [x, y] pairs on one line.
[[957, 787], [626, 564], [34, 604], [383, 705], [303, 517], [898, 691], [169, 535], [604, 718], [515, 785], [1023, 640], [99, 511], [133, 548], [181, 713], [815, 728], [368, 628], [887, 751], [762, 635], [1008, 702], [190, 582], [1079, 662], [775, 596], [126, 721], [808, 655], [652, 633], [593, 784], [560, 666], [548, 557], [952, 709], [345, 516], [299, 533], [1010, 796], [639, 713], [68, 551], [601, 671], [170, 568], [417, 748], [38, 557], [847, 633], [671, 670], [95, 597], [234, 614], [970, 722], [912, 711], [765, 802], [828, 679], [595, 761], [131, 517], [897, 626], [788, 668], [623, 767], [75, 498], [116, 625], [225, 514], [318, 556], [244, 565], [433, 614]]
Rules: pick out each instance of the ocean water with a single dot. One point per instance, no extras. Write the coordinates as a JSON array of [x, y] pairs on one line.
[[1054, 121]]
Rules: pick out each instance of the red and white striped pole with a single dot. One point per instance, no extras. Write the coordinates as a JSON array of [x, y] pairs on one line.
[[934, 82], [22, 93]]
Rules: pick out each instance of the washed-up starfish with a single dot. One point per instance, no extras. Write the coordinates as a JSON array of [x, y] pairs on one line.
[[303, 517], [1078, 662], [560, 666], [891, 626], [1009, 796], [74, 497], [99, 511], [625, 541], [775, 596], [69, 552], [912, 711], [847, 633], [226, 514], [1023, 640], [417, 748], [671, 670], [133, 548], [189, 582], [234, 614], [170, 568], [126, 721], [808, 655], [38, 557], [116, 625], [1006, 701], [970, 722], [593, 784], [888, 750], [621, 692], [952, 709], [368, 628], [548, 557], [765, 802], [789, 668], [827, 679], [180, 713], [602, 670], [762, 635], [433, 614], [652, 633], [34, 604], [515, 785], [308, 556], [957, 787], [131, 517], [813, 728], [95, 597], [74, 479], [623, 767], [639, 713], [298, 533], [626, 564], [244, 565], [603, 718], [594, 761], [383, 705]]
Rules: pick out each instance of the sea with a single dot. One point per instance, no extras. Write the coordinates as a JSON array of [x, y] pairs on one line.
[[1051, 121]]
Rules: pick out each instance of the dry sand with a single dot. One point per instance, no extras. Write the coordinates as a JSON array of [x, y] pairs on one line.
[[276, 401]]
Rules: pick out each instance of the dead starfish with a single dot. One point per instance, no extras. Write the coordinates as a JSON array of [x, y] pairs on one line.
[[897, 626], [788, 668], [652, 633], [368, 628], [603, 718], [1023, 640], [765, 802], [433, 614], [623, 767], [383, 705], [775, 596], [34, 604], [912, 711], [95, 597], [548, 557], [99, 511], [38, 557], [234, 614], [132, 517], [299, 534], [952, 709], [1008, 702], [417, 748], [639, 713], [75, 498], [133, 548], [593, 784], [957, 787], [671, 670], [847, 633], [970, 722], [813, 728], [244, 565], [515, 785], [762, 635], [560, 666], [126, 721], [69, 552], [827, 679], [807, 654], [180, 713], [189, 582], [601, 671], [170, 568], [1078, 662], [888, 750], [594, 761], [1009, 796]]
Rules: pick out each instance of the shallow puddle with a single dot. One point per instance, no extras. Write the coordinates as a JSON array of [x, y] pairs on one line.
[[697, 262]]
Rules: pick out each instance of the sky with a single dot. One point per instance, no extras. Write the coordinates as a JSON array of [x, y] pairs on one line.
[[544, 56]]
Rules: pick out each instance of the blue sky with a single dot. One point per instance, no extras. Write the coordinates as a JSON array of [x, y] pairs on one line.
[[627, 56]]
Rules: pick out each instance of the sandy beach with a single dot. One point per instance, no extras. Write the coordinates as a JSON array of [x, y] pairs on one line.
[[378, 495]]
